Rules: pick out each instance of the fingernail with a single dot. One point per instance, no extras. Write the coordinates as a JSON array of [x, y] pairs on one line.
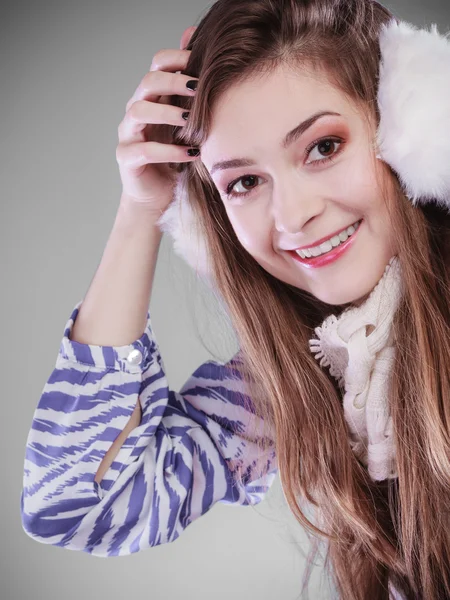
[[192, 84], [185, 115], [193, 152]]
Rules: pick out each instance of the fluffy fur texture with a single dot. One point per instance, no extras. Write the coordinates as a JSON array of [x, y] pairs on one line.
[[180, 223], [414, 122], [412, 135]]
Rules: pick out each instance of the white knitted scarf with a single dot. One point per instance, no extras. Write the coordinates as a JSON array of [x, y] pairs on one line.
[[362, 366]]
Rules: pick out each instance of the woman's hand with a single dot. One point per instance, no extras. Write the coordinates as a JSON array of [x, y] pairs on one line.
[[142, 154]]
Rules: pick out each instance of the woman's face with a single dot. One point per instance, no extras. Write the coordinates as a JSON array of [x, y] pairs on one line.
[[294, 200]]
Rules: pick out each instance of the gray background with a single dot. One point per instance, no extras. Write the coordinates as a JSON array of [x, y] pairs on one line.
[[67, 71]]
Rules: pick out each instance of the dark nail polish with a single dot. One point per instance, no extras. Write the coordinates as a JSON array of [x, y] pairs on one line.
[[192, 84], [185, 115], [193, 152]]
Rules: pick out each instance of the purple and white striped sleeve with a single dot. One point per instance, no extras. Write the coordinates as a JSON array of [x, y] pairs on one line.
[[171, 469]]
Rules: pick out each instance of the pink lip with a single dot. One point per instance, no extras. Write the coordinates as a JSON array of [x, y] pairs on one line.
[[324, 239], [326, 259]]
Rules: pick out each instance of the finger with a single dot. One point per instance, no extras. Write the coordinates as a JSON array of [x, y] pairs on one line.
[[142, 115], [134, 156], [168, 66], [186, 36], [164, 60]]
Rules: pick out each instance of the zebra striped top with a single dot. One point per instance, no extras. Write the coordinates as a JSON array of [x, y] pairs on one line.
[[171, 469]]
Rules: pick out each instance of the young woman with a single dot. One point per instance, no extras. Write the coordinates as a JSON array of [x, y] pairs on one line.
[[304, 209]]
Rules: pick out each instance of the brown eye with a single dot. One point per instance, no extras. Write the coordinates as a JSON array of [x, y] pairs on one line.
[[246, 180], [325, 148]]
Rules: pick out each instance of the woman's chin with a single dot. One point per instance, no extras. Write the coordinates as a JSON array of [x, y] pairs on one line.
[[354, 289]]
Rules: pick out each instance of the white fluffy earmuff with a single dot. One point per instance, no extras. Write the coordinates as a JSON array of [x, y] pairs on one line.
[[414, 122], [411, 137]]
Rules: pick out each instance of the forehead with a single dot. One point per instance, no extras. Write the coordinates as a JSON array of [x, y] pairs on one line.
[[255, 112]]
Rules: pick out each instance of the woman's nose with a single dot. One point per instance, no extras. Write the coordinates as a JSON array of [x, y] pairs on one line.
[[294, 206]]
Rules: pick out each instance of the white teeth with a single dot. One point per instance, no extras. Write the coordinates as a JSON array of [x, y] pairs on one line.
[[343, 236], [335, 241], [326, 246], [329, 244]]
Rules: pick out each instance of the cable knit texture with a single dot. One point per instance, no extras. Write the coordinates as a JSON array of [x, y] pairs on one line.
[[361, 362]]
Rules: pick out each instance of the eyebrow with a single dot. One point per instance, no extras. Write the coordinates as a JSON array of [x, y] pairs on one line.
[[289, 139]]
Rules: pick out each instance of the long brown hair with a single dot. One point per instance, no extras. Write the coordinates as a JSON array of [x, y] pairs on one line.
[[397, 529]]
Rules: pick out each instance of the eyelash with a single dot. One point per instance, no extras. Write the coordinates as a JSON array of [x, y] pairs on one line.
[[309, 149]]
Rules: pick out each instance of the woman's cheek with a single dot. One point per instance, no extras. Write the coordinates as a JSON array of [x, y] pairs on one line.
[[247, 231]]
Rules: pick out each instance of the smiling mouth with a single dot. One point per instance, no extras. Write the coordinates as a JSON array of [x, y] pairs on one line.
[[328, 256], [329, 245]]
